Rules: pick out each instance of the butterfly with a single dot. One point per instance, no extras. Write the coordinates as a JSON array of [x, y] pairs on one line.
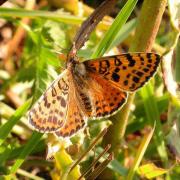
[[93, 89]]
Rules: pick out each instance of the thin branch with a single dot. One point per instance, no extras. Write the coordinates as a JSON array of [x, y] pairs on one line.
[[101, 134], [95, 162], [101, 167], [147, 28]]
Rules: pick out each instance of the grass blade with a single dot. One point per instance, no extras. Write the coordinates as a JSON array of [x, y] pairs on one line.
[[6, 128], [123, 33], [140, 153], [62, 17], [111, 34], [31, 144], [153, 115]]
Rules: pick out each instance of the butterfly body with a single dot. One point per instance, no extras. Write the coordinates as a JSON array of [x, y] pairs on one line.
[[90, 90]]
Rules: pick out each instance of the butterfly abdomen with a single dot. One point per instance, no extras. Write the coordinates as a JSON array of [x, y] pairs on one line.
[[86, 101]]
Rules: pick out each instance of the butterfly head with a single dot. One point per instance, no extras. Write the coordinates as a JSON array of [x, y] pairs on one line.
[[72, 60], [75, 65]]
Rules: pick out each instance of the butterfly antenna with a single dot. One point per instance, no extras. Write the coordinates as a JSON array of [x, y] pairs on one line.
[[61, 48]]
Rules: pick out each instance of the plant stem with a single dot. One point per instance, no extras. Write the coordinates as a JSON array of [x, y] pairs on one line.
[[147, 28], [148, 25], [177, 63]]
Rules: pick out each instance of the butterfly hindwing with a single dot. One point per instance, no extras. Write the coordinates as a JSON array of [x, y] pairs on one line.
[[76, 117], [127, 71], [98, 97], [49, 112], [105, 97]]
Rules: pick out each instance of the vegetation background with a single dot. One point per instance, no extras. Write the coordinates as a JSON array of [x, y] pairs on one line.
[[143, 140]]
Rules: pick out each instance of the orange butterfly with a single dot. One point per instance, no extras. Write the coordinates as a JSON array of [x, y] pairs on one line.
[[89, 90]]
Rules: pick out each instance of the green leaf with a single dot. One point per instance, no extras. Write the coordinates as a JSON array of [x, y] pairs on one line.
[[151, 171], [140, 119], [63, 162], [12, 152], [58, 33], [111, 34], [4, 153], [42, 76]]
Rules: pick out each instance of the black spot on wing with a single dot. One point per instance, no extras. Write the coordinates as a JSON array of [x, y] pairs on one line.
[[136, 79], [117, 70], [63, 102], [115, 77], [125, 82], [145, 70], [131, 60], [140, 74]]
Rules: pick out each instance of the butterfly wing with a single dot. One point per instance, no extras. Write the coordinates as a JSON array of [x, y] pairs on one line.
[[49, 113], [76, 117], [126, 71], [105, 97], [96, 96], [90, 97]]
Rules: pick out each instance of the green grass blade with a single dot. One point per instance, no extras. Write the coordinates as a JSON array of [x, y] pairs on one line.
[[4, 153], [9, 152], [28, 175], [62, 17], [123, 33], [33, 141], [140, 115], [6, 128], [140, 153], [111, 34], [153, 115]]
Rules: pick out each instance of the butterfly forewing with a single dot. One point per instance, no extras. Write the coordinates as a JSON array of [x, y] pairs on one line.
[[49, 112], [126, 71]]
